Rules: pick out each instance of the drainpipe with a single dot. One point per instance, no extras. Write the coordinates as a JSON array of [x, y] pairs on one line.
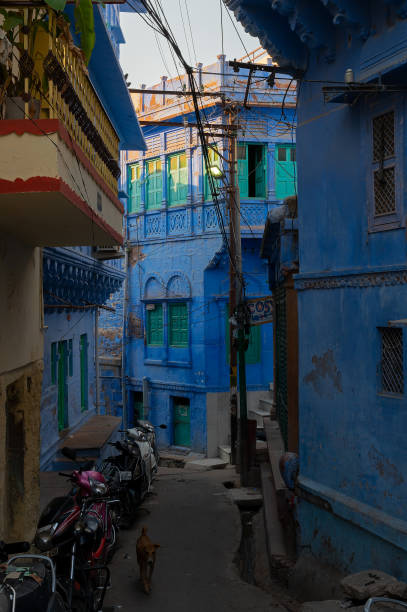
[[97, 373], [124, 335]]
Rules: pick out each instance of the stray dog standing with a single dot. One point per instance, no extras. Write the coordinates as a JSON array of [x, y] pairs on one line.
[[146, 559]]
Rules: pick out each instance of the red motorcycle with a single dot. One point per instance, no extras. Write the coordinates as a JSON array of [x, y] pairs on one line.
[[79, 531]]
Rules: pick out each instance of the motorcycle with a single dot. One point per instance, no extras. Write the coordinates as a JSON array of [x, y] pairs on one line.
[[126, 476], [28, 581], [79, 531]]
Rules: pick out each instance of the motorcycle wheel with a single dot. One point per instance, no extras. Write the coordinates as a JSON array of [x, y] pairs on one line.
[[97, 596]]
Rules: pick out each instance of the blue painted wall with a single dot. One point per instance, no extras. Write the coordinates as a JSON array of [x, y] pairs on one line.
[[352, 281], [65, 325], [177, 252]]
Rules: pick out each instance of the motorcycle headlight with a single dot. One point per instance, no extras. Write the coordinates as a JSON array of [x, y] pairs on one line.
[[97, 488], [91, 526], [43, 537]]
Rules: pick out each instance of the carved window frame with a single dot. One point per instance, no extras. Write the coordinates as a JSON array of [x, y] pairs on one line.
[[394, 219]]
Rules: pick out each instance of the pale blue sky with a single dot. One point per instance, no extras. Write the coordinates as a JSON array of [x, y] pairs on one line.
[[140, 56]]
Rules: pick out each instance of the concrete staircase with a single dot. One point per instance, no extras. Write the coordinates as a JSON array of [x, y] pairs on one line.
[[91, 442]]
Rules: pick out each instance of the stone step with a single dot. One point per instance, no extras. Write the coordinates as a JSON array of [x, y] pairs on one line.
[[208, 464]]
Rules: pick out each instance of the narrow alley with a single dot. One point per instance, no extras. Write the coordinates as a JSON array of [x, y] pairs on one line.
[[191, 515]]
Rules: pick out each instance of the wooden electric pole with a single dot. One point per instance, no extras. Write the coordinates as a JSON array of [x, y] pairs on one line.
[[237, 312]]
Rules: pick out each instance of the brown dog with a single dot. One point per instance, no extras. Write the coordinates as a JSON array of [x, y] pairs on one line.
[[146, 559]]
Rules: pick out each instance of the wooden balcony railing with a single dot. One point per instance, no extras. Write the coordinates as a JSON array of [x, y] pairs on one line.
[[60, 81]]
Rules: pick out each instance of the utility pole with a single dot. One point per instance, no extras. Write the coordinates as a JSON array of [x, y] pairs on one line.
[[238, 319], [234, 245]]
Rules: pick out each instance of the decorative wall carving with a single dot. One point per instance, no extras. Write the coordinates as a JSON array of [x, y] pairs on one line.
[[178, 285], [253, 215], [372, 279], [154, 287], [76, 279], [177, 221]]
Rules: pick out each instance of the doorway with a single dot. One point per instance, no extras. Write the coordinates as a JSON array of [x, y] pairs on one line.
[[138, 406], [182, 421]]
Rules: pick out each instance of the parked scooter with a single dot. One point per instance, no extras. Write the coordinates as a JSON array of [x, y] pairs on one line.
[[126, 476], [79, 531], [149, 431], [28, 582]]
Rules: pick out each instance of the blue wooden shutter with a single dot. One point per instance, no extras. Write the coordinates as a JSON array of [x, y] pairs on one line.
[[243, 170]]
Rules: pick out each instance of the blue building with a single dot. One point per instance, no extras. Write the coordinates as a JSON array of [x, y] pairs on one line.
[[77, 281], [350, 59], [178, 285]]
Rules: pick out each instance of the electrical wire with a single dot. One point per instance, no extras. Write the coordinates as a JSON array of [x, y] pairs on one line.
[[236, 30]]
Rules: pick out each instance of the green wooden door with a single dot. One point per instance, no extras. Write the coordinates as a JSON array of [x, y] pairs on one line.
[[138, 405], [260, 172], [243, 170], [286, 171], [62, 385], [84, 371], [182, 424]]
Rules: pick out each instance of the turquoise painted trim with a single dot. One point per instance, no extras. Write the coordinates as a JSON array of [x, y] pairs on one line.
[[367, 517]]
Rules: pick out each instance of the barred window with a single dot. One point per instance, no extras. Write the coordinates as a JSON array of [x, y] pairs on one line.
[[392, 368], [384, 161]]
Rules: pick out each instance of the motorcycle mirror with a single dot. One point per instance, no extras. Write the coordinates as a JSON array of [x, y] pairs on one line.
[[69, 453], [163, 426]]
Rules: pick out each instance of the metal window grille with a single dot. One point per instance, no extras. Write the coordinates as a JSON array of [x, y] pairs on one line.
[[384, 191], [392, 360], [383, 136]]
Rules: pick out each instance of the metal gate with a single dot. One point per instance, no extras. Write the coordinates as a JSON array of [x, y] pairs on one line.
[[280, 322]]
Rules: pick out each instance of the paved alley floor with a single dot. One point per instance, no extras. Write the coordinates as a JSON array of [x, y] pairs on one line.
[[198, 528]]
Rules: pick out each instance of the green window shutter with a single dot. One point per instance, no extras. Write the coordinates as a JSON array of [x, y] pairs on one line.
[[285, 171], [178, 325], [134, 188], [243, 170], [253, 353], [177, 179], [155, 328], [213, 159], [153, 184], [260, 172], [54, 363]]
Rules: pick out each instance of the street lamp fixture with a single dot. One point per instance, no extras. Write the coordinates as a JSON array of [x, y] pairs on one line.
[[216, 172]]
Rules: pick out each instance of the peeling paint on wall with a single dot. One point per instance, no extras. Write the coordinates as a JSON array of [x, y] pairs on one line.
[[324, 370]]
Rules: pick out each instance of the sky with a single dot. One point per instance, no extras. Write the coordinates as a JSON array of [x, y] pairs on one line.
[[140, 56]]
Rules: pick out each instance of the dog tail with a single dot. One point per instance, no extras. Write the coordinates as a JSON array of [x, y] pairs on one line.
[[144, 531]]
